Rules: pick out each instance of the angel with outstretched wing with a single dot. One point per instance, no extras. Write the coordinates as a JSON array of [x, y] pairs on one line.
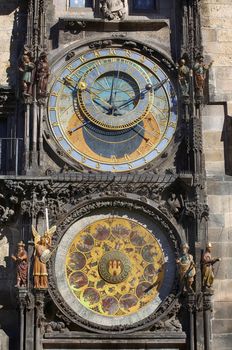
[[36, 235]]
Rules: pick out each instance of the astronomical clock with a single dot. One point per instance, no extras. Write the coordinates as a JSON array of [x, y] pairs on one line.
[[103, 192], [111, 109]]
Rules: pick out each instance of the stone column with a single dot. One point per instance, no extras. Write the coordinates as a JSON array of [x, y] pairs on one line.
[[207, 310], [40, 318], [22, 293], [191, 303]]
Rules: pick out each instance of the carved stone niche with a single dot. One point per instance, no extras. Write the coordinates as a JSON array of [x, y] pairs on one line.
[[147, 216]]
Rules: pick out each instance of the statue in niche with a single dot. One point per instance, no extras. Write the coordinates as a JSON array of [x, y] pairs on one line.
[[21, 261], [42, 74], [186, 269], [113, 9], [42, 255], [27, 69], [183, 77], [200, 71], [207, 267], [175, 204]]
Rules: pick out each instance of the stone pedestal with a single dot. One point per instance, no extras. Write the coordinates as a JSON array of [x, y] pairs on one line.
[[141, 341]]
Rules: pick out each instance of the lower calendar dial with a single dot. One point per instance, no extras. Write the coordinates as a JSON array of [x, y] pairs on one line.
[[115, 268]]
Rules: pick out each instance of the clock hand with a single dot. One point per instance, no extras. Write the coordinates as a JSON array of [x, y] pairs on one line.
[[82, 86], [148, 132], [78, 127], [99, 98], [112, 89], [148, 87], [99, 104], [137, 132], [69, 81], [155, 87], [153, 285], [113, 96], [131, 99]]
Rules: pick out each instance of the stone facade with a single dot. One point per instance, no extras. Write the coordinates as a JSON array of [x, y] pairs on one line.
[[7, 18], [217, 43], [71, 189]]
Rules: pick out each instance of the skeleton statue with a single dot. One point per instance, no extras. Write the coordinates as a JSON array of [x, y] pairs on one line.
[[200, 71], [42, 255], [42, 74], [113, 9]]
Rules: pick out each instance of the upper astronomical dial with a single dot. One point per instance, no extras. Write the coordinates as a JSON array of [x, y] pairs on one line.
[[112, 109]]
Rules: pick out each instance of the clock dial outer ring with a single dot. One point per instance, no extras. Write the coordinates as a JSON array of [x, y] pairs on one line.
[[127, 120], [77, 156], [101, 324]]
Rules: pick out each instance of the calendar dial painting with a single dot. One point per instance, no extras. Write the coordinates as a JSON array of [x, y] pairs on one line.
[[112, 109], [115, 268]]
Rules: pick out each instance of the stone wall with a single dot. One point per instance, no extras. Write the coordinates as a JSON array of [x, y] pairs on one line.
[[217, 42], [6, 26], [217, 38], [13, 23]]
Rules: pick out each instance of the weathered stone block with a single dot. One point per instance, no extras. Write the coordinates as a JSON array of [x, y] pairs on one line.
[[220, 204], [216, 22], [212, 139], [224, 84], [214, 155], [209, 35], [215, 167], [222, 72], [223, 269], [223, 290], [222, 310], [216, 10], [224, 35], [222, 342], [222, 326], [213, 123], [222, 249], [219, 187], [228, 219], [220, 234], [216, 47], [216, 221], [221, 59], [4, 340], [212, 110]]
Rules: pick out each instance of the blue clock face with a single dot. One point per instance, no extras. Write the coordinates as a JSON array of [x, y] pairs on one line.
[[112, 109], [111, 94]]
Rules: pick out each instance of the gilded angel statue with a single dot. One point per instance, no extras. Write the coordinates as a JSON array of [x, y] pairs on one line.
[[42, 255]]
